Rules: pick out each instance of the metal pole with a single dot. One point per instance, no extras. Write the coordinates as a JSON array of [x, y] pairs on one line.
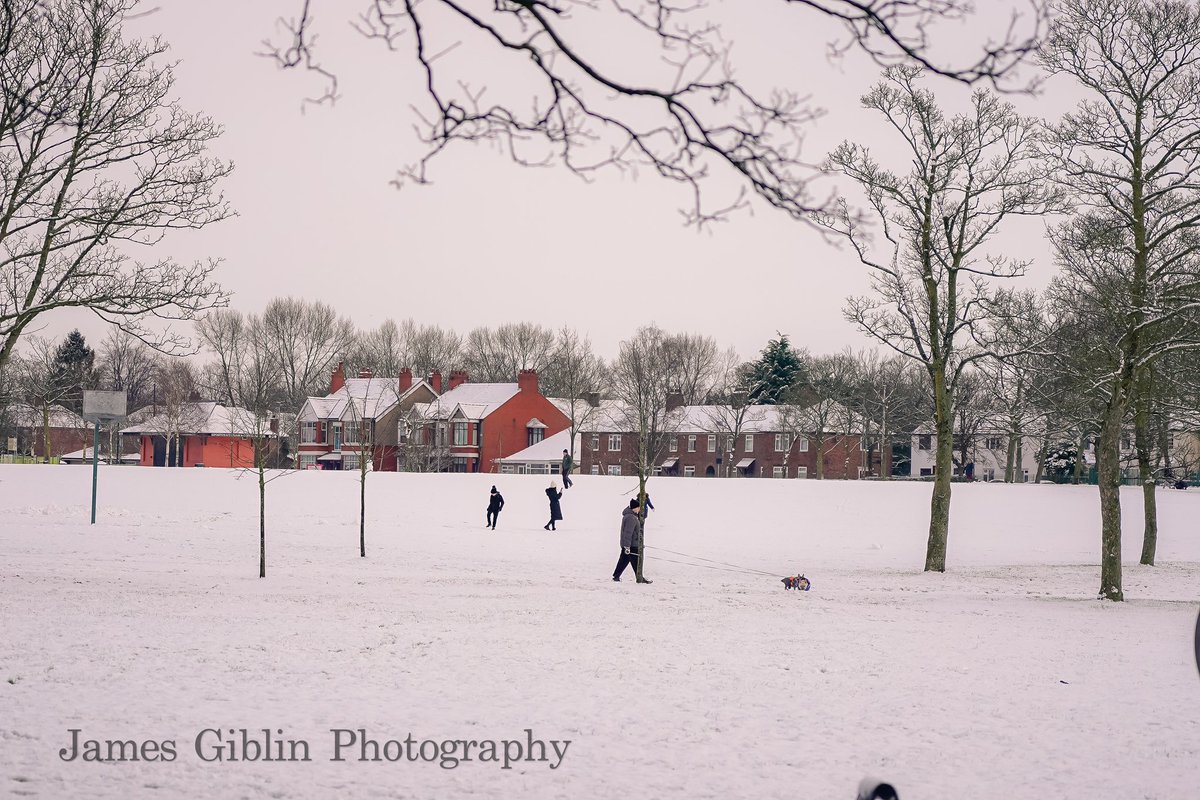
[[95, 466]]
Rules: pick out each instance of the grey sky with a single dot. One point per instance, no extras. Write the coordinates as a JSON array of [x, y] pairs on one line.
[[490, 242]]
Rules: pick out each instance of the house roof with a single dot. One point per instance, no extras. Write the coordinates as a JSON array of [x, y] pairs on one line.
[[613, 416], [548, 450], [86, 455], [476, 401], [370, 398], [208, 419]]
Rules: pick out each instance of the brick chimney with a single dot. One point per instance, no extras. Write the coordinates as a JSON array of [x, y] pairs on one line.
[[457, 378], [274, 424], [366, 373], [527, 381], [592, 399], [405, 380], [338, 379], [435, 380], [674, 401]]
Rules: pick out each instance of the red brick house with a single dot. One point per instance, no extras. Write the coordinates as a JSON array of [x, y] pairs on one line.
[[472, 425], [719, 441], [200, 435], [358, 413]]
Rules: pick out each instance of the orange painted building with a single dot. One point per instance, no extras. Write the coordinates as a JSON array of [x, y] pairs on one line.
[[200, 435]]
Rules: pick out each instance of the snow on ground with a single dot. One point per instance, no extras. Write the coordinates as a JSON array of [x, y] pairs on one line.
[[1003, 678]]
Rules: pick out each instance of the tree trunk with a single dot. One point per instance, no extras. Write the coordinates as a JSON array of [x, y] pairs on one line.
[[641, 529], [1108, 463], [46, 432], [362, 514], [262, 514], [1077, 474], [1010, 459], [1143, 442], [939, 511], [819, 467]]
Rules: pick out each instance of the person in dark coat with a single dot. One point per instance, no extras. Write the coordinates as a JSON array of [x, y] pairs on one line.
[[554, 495], [631, 543], [495, 504], [567, 463]]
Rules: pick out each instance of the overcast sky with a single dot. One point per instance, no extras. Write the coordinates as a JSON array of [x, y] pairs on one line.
[[489, 241]]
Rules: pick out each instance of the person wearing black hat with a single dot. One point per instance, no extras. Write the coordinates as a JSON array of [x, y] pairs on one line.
[[495, 503], [631, 546]]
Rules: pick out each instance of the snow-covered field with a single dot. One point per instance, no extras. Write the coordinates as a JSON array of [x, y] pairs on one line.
[[1003, 678]]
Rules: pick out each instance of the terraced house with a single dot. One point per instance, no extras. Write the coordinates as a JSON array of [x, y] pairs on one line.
[[359, 417]]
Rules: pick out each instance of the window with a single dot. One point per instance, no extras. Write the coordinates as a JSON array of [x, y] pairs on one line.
[[460, 434], [803, 440], [595, 469], [350, 461], [925, 441], [801, 472], [783, 443], [689, 472], [1024, 476], [350, 433], [1170, 440], [595, 441], [308, 460], [673, 446], [712, 443], [535, 435], [863, 444], [749, 444], [691, 442], [989, 475], [614, 444], [1125, 441], [994, 443], [777, 472], [458, 464], [337, 436], [308, 432], [658, 470], [614, 469]]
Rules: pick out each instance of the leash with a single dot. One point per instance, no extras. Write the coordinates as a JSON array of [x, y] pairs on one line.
[[722, 564]]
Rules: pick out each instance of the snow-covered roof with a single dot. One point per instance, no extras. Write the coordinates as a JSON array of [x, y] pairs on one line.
[[361, 398], [27, 416], [86, 455], [549, 449], [476, 401], [208, 419], [613, 416]]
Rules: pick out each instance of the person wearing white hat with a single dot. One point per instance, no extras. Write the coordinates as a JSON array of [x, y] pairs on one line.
[[554, 495]]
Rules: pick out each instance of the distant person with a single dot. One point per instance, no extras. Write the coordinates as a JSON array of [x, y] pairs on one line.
[[567, 463], [631, 543], [554, 495], [647, 508], [495, 506]]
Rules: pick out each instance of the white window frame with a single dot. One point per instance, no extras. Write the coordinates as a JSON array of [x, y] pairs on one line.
[[595, 442], [802, 472], [614, 470], [614, 444], [712, 443], [350, 461], [748, 445], [308, 432], [691, 443], [673, 445], [783, 442], [803, 440], [689, 471], [595, 469], [464, 428], [534, 435], [778, 472], [308, 460]]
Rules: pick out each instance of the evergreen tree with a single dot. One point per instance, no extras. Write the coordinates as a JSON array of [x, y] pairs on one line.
[[777, 369], [74, 369]]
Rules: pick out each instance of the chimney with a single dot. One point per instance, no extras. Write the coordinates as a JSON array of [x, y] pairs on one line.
[[457, 378], [527, 381], [338, 379], [405, 380], [366, 373], [592, 399], [674, 401], [435, 380], [274, 424]]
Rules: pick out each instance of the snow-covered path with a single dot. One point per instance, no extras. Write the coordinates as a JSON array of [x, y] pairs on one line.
[[1003, 678]]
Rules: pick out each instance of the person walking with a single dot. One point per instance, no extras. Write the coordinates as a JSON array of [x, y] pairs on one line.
[[554, 495], [631, 542], [567, 463], [495, 505]]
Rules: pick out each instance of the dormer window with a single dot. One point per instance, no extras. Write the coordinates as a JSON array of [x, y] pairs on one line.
[[536, 430]]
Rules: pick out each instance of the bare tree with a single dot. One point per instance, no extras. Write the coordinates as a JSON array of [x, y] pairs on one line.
[[96, 160], [930, 277], [304, 338], [730, 411], [696, 365], [224, 332], [577, 374], [126, 364], [1129, 156], [890, 400], [41, 384], [431, 348], [682, 113], [640, 382], [498, 355], [384, 350]]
